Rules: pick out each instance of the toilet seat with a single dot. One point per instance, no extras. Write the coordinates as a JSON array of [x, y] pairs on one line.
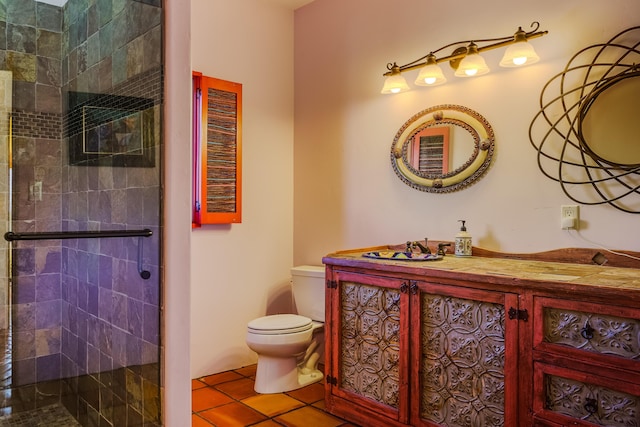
[[279, 324]]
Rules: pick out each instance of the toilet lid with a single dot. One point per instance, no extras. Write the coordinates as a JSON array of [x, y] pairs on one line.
[[279, 324]]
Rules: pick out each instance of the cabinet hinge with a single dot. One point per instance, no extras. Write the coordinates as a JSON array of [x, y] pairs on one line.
[[413, 288], [332, 284], [518, 314], [332, 380]]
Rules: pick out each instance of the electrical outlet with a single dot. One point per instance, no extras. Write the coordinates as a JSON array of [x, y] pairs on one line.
[[569, 217]]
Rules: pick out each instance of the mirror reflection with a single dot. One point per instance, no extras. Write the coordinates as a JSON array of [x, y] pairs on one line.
[[608, 126], [439, 148], [442, 149]]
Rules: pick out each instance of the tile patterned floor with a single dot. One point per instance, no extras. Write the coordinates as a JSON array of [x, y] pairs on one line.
[[227, 399], [48, 416]]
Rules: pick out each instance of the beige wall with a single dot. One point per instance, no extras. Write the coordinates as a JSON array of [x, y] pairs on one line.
[[177, 228], [334, 188], [241, 271], [346, 193]]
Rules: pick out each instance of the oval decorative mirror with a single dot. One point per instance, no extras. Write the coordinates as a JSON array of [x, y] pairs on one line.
[[443, 149], [586, 132]]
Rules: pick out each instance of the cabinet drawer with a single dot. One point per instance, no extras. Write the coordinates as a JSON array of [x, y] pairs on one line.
[[577, 398], [602, 330]]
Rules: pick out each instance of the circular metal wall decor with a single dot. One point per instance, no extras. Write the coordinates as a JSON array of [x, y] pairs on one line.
[[442, 149], [587, 132]]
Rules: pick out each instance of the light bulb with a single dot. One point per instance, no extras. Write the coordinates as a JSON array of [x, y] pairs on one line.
[[520, 60], [472, 64], [431, 74], [518, 54], [395, 83]]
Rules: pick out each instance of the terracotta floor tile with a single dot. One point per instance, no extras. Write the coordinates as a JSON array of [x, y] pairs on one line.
[[207, 398], [196, 384], [309, 394], [233, 415], [227, 399], [272, 404], [308, 417], [247, 371], [238, 389], [221, 377], [319, 404], [268, 423], [196, 421]]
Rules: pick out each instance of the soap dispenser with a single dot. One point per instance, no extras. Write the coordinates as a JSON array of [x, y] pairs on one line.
[[463, 241]]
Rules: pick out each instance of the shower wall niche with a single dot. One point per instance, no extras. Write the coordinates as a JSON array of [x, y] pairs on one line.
[[84, 328]]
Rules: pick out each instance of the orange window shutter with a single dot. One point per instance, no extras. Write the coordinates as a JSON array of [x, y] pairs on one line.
[[220, 151]]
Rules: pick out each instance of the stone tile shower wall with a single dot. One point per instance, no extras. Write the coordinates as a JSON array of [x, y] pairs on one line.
[[110, 316], [81, 310], [30, 49]]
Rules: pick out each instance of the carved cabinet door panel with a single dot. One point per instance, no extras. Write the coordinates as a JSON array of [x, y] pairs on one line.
[[368, 348], [464, 349]]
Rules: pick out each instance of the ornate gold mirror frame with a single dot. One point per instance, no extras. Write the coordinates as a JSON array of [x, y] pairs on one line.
[[443, 149], [587, 130]]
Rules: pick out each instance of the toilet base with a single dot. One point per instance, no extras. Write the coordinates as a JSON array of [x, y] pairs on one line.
[[277, 375]]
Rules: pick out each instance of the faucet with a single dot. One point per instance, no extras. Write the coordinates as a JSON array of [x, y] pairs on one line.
[[417, 245], [441, 247]]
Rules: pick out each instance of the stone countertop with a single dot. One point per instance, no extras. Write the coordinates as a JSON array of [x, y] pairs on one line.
[[497, 270]]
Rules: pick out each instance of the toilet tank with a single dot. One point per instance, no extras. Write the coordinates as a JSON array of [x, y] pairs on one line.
[[308, 287]]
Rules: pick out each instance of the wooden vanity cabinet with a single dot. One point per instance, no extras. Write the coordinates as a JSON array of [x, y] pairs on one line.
[[482, 342]]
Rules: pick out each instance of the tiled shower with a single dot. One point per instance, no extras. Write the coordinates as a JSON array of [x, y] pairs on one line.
[[80, 146]]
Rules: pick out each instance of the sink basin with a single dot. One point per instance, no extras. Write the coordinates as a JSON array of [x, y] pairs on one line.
[[401, 256]]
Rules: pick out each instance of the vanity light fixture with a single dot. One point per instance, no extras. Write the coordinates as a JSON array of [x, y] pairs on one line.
[[465, 59]]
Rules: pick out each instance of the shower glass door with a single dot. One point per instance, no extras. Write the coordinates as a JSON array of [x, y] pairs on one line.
[[80, 183]]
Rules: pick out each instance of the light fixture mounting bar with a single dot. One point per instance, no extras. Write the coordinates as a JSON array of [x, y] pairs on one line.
[[393, 68]]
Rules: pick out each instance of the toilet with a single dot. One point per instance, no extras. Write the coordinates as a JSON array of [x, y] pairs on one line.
[[289, 346]]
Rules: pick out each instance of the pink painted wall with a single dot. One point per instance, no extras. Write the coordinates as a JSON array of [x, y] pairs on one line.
[[346, 192]]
